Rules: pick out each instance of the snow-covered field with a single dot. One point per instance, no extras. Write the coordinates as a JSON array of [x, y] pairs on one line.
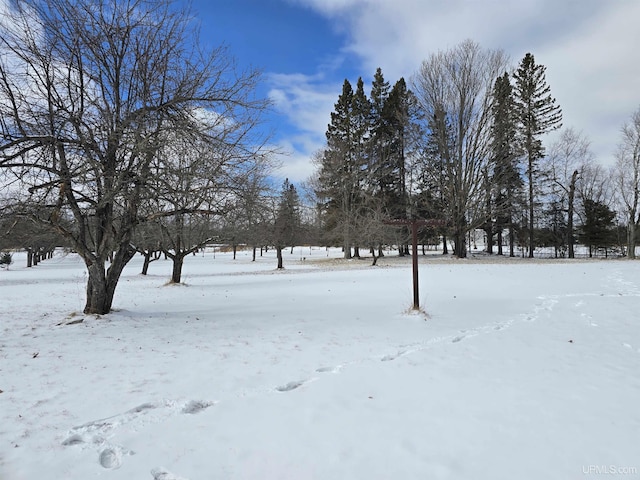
[[521, 370]]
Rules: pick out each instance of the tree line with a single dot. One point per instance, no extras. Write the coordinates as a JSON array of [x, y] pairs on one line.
[[464, 147]]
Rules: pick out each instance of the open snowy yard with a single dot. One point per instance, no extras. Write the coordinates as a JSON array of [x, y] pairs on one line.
[[521, 370]]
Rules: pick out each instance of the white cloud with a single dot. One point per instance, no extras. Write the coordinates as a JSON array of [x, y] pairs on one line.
[[307, 102]]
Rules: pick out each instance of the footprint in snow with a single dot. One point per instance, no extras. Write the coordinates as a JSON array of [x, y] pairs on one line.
[[162, 474], [290, 386], [195, 406], [389, 358], [95, 434], [327, 369], [74, 440], [458, 338], [110, 458]]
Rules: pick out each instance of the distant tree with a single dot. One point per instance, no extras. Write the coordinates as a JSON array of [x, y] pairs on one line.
[[192, 182], [454, 89], [627, 175], [6, 259], [598, 230], [537, 114], [19, 231], [287, 221], [148, 243], [568, 157], [597, 184], [251, 207]]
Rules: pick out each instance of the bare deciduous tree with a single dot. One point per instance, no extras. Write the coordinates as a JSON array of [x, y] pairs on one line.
[[627, 175], [567, 160], [454, 88], [88, 92]]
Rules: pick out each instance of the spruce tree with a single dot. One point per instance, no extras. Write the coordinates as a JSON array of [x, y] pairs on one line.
[[343, 165], [288, 221], [380, 139], [537, 114], [598, 229], [505, 178], [360, 122], [401, 116], [435, 172]]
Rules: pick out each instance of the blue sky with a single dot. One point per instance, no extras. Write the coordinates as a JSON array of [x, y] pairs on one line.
[[300, 52], [306, 48]]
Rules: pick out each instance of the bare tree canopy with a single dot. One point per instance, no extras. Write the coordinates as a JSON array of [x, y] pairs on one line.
[[90, 91], [627, 175], [454, 88], [568, 158]]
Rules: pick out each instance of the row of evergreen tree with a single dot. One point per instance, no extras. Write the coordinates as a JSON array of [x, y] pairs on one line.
[[462, 148]]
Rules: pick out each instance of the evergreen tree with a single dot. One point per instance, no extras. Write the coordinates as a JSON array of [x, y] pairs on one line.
[[397, 112], [380, 140], [505, 179], [288, 220], [343, 166], [435, 172], [537, 114], [361, 121], [598, 230], [399, 117]]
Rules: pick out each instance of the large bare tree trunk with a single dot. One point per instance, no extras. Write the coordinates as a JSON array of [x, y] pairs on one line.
[[176, 271], [459, 243], [101, 284]]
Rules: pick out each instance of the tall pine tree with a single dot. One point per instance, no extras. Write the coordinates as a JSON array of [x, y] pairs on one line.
[[343, 166], [505, 178], [537, 114]]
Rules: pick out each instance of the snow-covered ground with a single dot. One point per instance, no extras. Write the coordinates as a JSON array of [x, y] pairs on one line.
[[521, 370]]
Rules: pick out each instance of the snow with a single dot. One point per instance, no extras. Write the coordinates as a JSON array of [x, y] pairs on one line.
[[519, 369]]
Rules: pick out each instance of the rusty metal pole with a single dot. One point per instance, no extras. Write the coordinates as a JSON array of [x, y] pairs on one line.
[[414, 248], [414, 253]]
